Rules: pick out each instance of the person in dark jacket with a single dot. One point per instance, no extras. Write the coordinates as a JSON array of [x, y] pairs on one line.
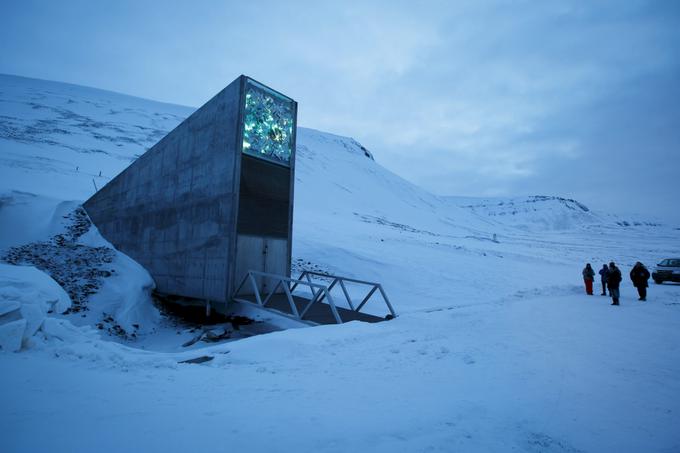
[[604, 273], [613, 281], [588, 278], [640, 275]]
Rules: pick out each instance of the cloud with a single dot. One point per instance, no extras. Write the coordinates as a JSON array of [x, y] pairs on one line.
[[463, 97]]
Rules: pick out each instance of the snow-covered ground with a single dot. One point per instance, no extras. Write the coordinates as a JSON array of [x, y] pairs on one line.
[[496, 348]]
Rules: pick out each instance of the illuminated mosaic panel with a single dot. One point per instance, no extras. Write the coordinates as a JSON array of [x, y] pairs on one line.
[[268, 124]]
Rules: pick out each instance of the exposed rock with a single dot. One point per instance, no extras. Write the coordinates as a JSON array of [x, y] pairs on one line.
[[79, 269]]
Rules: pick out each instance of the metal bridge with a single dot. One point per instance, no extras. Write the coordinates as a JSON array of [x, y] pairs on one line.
[[309, 298]]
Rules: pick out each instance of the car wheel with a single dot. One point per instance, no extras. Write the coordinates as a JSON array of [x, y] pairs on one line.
[[657, 281]]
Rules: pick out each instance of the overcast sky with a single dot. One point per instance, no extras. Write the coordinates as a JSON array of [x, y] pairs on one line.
[[577, 99]]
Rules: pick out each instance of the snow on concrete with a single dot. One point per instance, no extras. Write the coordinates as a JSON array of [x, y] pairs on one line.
[[497, 347]]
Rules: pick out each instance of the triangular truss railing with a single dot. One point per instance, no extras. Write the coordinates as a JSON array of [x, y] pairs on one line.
[[319, 292], [337, 280]]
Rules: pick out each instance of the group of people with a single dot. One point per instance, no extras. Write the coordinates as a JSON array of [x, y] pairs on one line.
[[611, 280]]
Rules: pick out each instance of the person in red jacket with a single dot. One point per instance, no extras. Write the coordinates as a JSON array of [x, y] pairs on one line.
[[588, 278]]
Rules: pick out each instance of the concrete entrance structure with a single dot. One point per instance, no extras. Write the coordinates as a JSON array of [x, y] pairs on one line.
[[211, 200]]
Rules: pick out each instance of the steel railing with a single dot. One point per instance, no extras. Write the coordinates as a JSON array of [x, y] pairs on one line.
[[319, 292], [337, 280]]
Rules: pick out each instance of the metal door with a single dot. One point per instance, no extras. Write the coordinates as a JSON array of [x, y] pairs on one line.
[[276, 256], [263, 254], [249, 257]]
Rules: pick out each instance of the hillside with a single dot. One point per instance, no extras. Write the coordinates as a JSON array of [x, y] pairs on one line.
[[72, 139], [496, 348]]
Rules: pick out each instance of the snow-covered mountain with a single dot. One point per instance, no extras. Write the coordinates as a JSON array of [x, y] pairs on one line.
[[488, 291], [545, 213], [537, 212]]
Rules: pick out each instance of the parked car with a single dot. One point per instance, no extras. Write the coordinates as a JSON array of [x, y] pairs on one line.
[[667, 270]]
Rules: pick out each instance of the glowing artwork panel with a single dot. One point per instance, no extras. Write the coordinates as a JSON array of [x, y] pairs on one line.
[[268, 124]]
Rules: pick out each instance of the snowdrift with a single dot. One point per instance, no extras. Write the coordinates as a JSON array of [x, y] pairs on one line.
[[27, 296]]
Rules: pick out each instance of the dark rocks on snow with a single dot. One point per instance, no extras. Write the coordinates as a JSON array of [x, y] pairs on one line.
[[299, 265], [79, 269], [109, 324]]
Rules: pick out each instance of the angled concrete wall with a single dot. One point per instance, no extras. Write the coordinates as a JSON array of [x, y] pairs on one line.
[[174, 209]]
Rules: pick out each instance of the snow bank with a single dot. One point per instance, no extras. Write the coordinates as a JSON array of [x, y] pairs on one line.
[[125, 295], [104, 285], [25, 217], [27, 296]]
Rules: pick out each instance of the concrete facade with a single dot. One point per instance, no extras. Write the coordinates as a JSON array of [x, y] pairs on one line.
[[175, 210]]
